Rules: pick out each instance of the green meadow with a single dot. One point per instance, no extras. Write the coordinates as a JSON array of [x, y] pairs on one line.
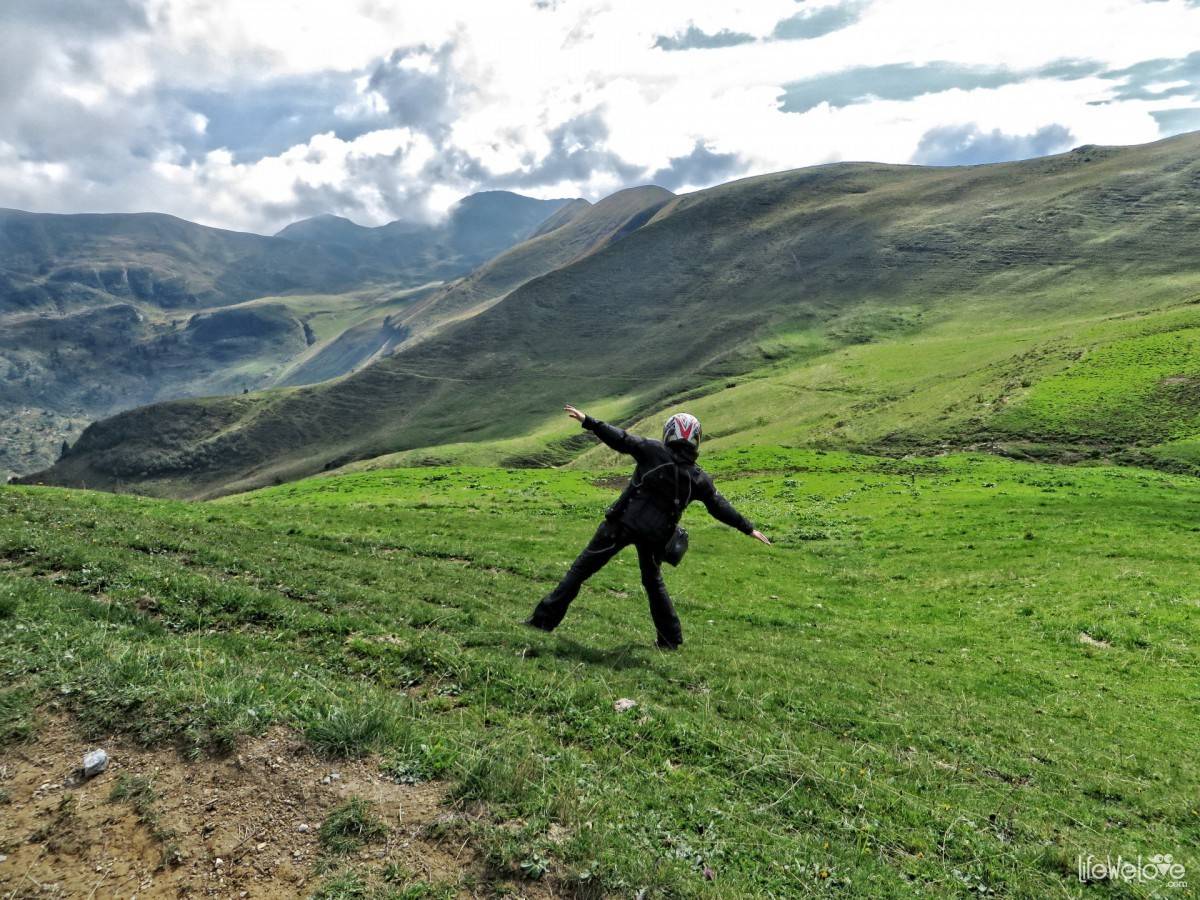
[[949, 675]]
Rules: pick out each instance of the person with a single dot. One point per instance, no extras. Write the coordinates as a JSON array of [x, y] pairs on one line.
[[665, 480]]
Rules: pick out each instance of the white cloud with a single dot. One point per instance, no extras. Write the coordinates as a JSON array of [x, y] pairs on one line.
[[234, 112]]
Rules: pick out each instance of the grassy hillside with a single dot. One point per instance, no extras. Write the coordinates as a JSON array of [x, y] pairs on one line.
[[562, 240], [946, 678], [855, 305], [100, 313]]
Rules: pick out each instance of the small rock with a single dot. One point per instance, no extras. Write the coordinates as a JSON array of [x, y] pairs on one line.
[[325, 780], [218, 862], [94, 762], [3, 857], [335, 776], [302, 828], [260, 847], [624, 705]]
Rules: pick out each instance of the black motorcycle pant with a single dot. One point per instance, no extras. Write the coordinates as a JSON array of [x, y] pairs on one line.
[[609, 540]]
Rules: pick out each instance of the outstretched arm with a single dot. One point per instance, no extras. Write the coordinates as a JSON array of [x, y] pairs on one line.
[[722, 510], [617, 438]]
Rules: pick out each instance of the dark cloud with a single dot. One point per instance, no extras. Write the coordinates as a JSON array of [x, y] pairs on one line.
[[19, 60], [426, 98], [701, 167], [904, 81], [1138, 78], [264, 119], [578, 151], [965, 145], [1176, 121], [36, 34], [695, 39], [101, 141], [815, 23], [77, 17]]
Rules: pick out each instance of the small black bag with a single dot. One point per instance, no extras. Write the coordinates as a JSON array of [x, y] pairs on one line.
[[676, 547]]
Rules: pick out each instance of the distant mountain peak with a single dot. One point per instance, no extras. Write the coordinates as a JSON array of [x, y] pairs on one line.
[[320, 227]]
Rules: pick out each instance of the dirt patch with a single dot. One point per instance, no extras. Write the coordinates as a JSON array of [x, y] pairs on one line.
[[244, 826], [1085, 638]]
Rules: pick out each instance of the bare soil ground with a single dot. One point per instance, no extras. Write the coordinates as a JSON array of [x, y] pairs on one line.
[[242, 826]]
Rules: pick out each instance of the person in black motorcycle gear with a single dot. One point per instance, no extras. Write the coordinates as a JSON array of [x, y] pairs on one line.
[[646, 515]]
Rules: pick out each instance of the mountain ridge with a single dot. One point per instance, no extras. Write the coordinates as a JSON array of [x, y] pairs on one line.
[[798, 269]]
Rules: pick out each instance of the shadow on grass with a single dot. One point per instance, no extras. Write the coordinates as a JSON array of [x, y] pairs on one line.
[[623, 656]]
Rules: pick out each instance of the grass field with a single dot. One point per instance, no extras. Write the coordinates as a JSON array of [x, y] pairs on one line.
[[948, 676]]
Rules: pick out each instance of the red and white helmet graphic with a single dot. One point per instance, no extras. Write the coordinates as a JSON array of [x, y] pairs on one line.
[[682, 427]]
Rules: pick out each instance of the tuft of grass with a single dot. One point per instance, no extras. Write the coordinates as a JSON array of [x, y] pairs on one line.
[[137, 789], [351, 825], [420, 763], [343, 886], [394, 882], [353, 726], [17, 716]]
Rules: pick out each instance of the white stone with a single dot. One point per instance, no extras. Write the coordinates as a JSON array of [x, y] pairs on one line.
[[94, 762], [624, 705]]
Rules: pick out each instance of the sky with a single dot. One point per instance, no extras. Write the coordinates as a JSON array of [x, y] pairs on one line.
[[250, 114]]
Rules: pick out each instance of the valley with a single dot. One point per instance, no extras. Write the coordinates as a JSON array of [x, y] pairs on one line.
[[101, 313]]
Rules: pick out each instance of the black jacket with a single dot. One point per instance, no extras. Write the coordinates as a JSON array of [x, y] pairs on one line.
[[665, 481]]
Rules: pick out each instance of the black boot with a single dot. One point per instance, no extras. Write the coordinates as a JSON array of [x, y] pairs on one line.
[[533, 622]]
